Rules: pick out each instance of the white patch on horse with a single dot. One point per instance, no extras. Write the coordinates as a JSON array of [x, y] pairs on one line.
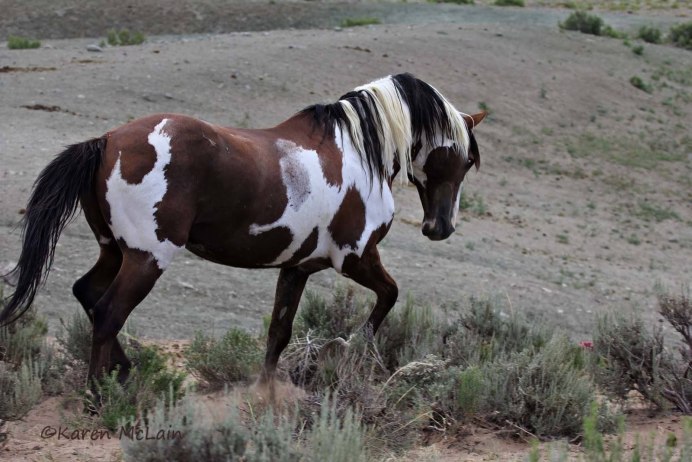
[[455, 213], [295, 176], [133, 206], [318, 207], [103, 240]]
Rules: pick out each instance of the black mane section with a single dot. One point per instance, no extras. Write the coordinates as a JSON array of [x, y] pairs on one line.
[[328, 117], [428, 117], [428, 114]]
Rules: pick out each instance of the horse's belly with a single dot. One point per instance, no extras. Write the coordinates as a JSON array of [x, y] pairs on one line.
[[327, 237]]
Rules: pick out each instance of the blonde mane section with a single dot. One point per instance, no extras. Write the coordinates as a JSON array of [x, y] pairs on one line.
[[395, 130]]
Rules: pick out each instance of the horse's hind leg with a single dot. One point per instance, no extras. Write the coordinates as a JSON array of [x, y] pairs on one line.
[[90, 288], [136, 277]]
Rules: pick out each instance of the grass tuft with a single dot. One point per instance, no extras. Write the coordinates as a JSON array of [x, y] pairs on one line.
[[124, 37], [149, 381], [233, 358], [583, 22], [356, 22], [649, 34], [681, 35], [509, 2], [15, 42], [637, 82]]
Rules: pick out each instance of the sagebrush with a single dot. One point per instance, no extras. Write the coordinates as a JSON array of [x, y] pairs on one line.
[[234, 357]]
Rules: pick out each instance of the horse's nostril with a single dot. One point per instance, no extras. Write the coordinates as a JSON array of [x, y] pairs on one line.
[[427, 228]]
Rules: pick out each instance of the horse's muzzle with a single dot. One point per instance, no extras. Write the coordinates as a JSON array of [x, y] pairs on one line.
[[437, 230]]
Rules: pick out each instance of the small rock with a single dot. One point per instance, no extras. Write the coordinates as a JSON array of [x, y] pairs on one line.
[[95, 48], [338, 29], [168, 95]]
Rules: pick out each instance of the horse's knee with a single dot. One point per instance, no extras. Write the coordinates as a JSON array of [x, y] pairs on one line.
[[80, 289], [389, 294]]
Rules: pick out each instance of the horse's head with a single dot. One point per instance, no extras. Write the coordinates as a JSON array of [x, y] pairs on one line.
[[438, 172]]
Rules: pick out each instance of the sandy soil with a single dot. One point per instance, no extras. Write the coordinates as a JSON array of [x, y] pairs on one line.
[[555, 232], [572, 213]]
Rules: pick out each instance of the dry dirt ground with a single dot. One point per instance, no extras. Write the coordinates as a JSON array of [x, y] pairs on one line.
[[581, 206]]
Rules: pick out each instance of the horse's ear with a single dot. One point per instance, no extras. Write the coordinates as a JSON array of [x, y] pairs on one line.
[[475, 119]]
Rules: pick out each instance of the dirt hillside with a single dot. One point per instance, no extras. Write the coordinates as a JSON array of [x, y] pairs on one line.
[[582, 204]]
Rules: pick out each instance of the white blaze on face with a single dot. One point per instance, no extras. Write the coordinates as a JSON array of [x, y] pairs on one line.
[[455, 211], [313, 202], [133, 206]]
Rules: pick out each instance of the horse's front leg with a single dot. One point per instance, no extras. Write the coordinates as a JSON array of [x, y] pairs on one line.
[[289, 289], [369, 272]]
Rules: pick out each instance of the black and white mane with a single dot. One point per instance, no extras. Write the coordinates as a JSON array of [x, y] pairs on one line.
[[387, 117]]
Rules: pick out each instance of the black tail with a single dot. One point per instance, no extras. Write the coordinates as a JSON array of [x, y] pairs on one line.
[[52, 205]]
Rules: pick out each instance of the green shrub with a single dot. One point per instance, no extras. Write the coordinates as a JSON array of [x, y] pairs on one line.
[[542, 391], [234, 357], [23, 339], [20, 390], [356, 22], [334, 438], [149, 380], [681, 35], [637, 82], [263, 438], [26, 364], [75, 337], [629, 357], [408, 333], [649, 34], [484, 333], [328, 320], [608, 31], [583, 22], [124, 37], [469, 395], [509, 2], [21, 43], [458, 2], [638, 50]]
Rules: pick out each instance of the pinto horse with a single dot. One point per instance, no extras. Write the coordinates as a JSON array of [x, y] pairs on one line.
[[314, 192]]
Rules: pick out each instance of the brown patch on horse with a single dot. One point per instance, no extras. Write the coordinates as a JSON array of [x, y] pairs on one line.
[[130, 143], [348, 223], [305, 250], [261, 249]]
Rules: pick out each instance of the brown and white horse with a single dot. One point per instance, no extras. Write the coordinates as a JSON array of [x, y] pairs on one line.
[[314, 192]]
